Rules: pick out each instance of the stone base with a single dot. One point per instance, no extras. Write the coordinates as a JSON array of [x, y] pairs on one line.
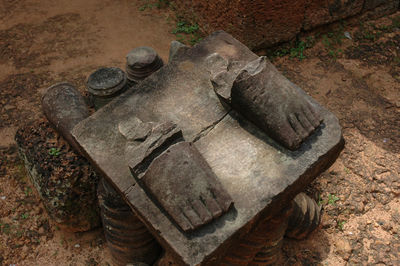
[[262, 246], [260, 175], [127, 238], [65, 181]]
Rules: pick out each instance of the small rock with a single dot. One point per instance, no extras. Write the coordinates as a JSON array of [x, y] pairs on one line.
[[394, 230], [77, 246], [347, 35], [360, 207], [3, 197], [41, 231], [343, 248], [37, 210], [9, 107], [24, 251]]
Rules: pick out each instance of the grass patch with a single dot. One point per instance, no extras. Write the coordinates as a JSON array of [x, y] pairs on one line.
[[293, 49], [340, 224], [332, 40], [187, 32], [25, 216], [54, 151], [332, 199]]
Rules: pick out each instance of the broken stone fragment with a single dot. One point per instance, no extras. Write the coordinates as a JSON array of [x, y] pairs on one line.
[[174, 47], [182, 182], [274, 104], [133, 129], [64, 107], [222, 75], [142, 149]]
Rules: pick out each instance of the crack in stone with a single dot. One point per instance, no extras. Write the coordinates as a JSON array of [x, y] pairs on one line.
[[204, 132]]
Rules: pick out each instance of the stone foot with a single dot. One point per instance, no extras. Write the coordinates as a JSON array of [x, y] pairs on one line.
[[274, 104], [183, 184]]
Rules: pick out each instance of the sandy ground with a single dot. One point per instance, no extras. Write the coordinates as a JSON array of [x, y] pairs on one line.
[[43, 42]]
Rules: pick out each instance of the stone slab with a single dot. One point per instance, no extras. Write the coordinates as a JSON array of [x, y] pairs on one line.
[[260, 176]]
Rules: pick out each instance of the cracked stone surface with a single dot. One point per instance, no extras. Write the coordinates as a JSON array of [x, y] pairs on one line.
[[259, 175]]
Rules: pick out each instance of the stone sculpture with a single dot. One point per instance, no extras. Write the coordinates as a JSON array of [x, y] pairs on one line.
[[182, 182], [177, 111], [268, 99], [173, 173]]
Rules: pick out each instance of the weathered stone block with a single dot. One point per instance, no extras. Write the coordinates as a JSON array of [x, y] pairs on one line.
[[259, 174], [65, 181]]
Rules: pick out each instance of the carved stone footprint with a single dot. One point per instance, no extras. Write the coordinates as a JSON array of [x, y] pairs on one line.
[[183, 183], [173, 173], [268, 99], [273, 103]]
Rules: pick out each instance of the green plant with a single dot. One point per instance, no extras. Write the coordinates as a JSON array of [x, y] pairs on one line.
[[195, 39], [335, 53], [19, 233], [27, 191], [298, 51], [187, 32], [347, 170], [54, 151], [331, 41], [340, 224], [320, 200], [294, 49], [25, 216], [332, 198], [5, 228], [183, 26], [144, 7], [395, 22], [162, 3]]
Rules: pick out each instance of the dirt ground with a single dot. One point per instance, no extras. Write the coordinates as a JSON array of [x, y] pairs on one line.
[[44, 42]]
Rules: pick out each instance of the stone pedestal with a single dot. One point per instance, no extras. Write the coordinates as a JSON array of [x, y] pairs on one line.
[[260, 176]]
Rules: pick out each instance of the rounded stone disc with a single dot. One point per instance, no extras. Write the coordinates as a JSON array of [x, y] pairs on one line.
[[141, 57], [106, 81]]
